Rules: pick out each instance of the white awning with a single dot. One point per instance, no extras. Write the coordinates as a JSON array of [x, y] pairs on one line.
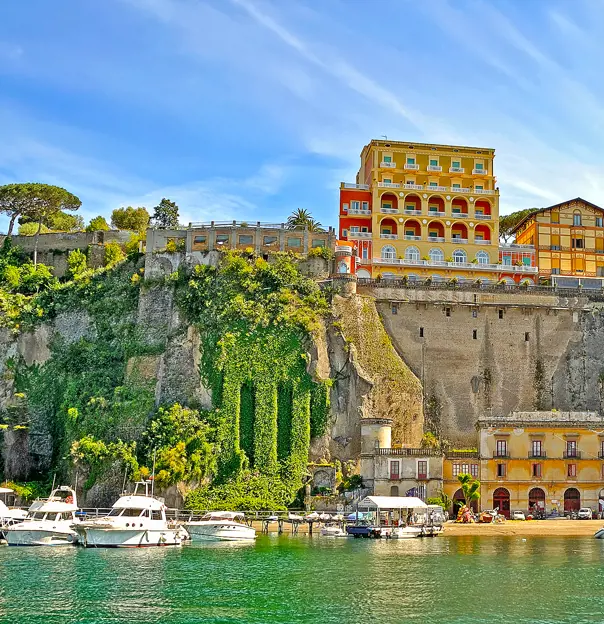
[[4, 490], [393, 502]]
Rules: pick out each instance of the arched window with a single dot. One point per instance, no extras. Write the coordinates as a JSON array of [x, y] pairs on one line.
[[577, 218], [436, 254], [459, 255], [363, 274], [482, 257], [412, 253], [342, 267], [388, 252]]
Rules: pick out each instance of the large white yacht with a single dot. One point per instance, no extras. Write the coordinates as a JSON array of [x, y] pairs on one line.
[[220, 525], [48, 523], [136, 520]]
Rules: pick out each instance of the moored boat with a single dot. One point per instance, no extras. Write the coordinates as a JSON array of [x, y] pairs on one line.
[[48, 523], [136, 520], [220, 525], [9, 515], [333, 530], [599, 534]]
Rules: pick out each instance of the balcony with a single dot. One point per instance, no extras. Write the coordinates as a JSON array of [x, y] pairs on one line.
[[411, 237], [411, 167], [456, 265], [395, 476], [482, 216], [456, 169], [436, 213], [481, 242], [539, 455], [460, 189], [479, 171], [388, 185], [439, 189], [412, 212], [484, 192], [359, 211], [389, 236], [388, 165], [415, 187], [460, 241], [352, 185], [501, 455], [434, 168], [422, 477], [436, 239], [460, 215], [389, 210], [359, 235], [572, 455]]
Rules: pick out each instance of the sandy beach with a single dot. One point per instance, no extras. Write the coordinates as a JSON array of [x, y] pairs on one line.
[[546, 528]]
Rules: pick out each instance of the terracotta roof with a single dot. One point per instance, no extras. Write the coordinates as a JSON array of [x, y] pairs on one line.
[[568, 201]]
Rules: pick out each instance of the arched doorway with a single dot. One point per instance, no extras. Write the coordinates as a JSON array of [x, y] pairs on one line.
[[536, 500], [459, 501], [572, 500], [394, 490], [501, 500]]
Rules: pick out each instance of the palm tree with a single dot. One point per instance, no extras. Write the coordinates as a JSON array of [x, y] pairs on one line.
[[301, 218], [470, 488]]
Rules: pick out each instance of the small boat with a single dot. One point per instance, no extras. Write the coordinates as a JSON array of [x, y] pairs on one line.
[[313, 516], [9, 515], [333, 530], [135, 521], [599, 534], [325, 517], [292, 517], [48, 523], [220, 525]]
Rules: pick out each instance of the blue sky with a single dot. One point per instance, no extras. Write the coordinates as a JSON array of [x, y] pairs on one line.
[[248, 109]]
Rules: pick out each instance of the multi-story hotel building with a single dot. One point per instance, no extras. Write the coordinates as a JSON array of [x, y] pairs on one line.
[[425, 211], [569, 241]]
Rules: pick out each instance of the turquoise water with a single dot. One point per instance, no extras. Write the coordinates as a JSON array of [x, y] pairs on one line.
[[294, 580]]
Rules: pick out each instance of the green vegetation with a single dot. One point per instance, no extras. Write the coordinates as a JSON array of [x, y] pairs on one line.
[[165, 214], [507, 223], [133, 219], [97, 224], [301, 218], [470, 488]]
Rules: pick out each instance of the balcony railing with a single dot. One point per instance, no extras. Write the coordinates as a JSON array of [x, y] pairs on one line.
[[436, 239], [477, 241], [456, 169], [388, 236], [412, 212], [479, 171], [436, 213], [395, 476], [412, 167], [412, 238], [501, 455], [359, 211], [482, 216], [415, 187], [389, 185], [352, 185], [483, 192], [439, 189], [460, 189], [422, 477], [410, 452], [456, 265], [460, 241], [360, 235], [462, 215], [539, 455], [572, 455], [389, 210], [388, 165], [434, 168]]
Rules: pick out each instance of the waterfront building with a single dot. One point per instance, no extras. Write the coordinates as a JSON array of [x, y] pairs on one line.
[[397, 471], [458, 462], [569, 239], [549, 460]]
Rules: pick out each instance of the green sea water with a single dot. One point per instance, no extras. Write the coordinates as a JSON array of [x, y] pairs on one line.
[[317, 580]]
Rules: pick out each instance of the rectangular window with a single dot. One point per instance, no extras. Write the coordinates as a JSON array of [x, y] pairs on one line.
[[318, 242], [421, 332], [433, 208], [386, 230], [501, 470], [465, 468], [456, 186], [387, 180], [365, 253], [447, 311], [200, 240], [344, 207], [527, 336], [422, 469], [455, 470], [571, 448], [474, 470], [536, 448], [222, 238], [479, 187], [355, 204], [479, 166], [555, 270], [269, 240], [577, 219], [365, 205], [474, 313], [555, 216], [395, 470], [500, 314], [354, 228], [577, 243], [433, 184], [387, 205], [502, 448], [537, 471], [571, 471], [364, 229], [246, 239], [456, 164], [387, 159], [598, 221], [433, 162], [294, 242], [602, 449], [394, 309], [475, 334], [410, 161]]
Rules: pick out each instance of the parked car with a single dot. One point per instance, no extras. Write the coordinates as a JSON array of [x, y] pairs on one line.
[[585, 513], [518, 515]]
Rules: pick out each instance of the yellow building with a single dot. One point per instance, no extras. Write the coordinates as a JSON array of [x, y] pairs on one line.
[[454, 464], [569, 239], [431, 211], [549, 460]]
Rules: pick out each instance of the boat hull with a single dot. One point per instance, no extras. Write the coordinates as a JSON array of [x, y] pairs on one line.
[[599, 534], [210, 533], [40, 537], [129, 538]]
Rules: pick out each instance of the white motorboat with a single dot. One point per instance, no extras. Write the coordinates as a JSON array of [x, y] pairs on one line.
[[48, 523], [406, 532], [599, 534], [9, 515], [333, 530], [220, 525], [135, 521]]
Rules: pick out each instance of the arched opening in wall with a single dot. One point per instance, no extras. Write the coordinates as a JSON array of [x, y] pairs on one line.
[[388, 252], [459, 233], [482, 234], [388, 228], [436, 206], [413, 204], [501, 501], [389, 202], [394, 490], [436, 255], [412, 229], [342, 267], [572, 500], [459, 206], [536, 499], [459, 501], [482, 209], [412, 254], [436, 231], [246, 421], [363, 274]]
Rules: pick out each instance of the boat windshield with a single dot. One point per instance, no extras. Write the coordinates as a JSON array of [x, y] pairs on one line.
[[37, 515], [128, 513]]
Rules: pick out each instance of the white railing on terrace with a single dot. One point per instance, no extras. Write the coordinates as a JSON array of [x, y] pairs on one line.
[[388, 236], [516, 246], [434, 168], [359, 235], [436, 239], [460, 189], [359, 211], [457, 265], [432, 187], [352, 185], [482, 216], [412, 238], [482, 242], [389, 185], [412, 167], [412, 212], [436, 213], [484, 192], [462, 215], [461, 241], [389, 210], [479, 171], [388, 165], [456, 169], [415, 187]]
